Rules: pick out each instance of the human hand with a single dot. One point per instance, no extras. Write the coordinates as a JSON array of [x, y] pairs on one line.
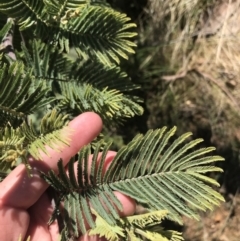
[[25, 207]]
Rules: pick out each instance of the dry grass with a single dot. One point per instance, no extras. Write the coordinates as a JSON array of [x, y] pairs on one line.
[[199, 40], [197, 88]]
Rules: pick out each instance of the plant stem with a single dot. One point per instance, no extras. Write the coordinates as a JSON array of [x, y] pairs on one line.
[[8, 42]]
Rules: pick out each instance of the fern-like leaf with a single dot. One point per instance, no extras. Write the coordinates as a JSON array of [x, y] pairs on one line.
[[16, 144], [17, 97], [144, 226], [46, 61], [100, 76], [142, 220], [70, 23], [109, 104], [53, 133], [149, 169], [81, 86], [157, 175], [103, 229]]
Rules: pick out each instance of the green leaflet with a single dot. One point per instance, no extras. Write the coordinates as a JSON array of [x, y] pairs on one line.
[[100, 76], [42, 72], [142, 220], [103, 229], [150, 169], [156, 182]]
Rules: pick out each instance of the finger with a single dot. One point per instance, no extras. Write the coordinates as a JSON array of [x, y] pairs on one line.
[[13, 223], [40, 214], [128, 205], [20, 191]]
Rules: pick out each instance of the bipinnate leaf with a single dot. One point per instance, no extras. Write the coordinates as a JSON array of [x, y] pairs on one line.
[[96, 31], [17, 143], [54, 133], [158, 173], [18, 98]]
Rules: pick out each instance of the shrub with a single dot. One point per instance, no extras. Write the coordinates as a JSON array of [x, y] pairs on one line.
[[68, 62]]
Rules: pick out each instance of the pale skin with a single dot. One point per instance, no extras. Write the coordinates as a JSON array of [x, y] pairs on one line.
[[25, 206]]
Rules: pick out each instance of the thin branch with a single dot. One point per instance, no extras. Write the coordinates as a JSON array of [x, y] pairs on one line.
[[171, 78], [23, 40], [8, 42]]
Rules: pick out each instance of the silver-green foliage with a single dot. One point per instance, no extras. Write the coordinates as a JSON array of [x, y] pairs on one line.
[[68, 63], [92, 28], [17, 98], [157, 173], [46, 76]]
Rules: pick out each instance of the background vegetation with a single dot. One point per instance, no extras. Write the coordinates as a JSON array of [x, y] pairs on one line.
[[188, 64]]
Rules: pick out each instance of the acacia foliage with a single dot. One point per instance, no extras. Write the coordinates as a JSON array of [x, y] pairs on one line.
[[68, 63]]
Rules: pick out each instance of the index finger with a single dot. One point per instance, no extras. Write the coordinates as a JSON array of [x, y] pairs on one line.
[[19, 191]]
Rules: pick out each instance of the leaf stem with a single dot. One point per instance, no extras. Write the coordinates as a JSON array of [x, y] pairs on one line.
[[8, 41]]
